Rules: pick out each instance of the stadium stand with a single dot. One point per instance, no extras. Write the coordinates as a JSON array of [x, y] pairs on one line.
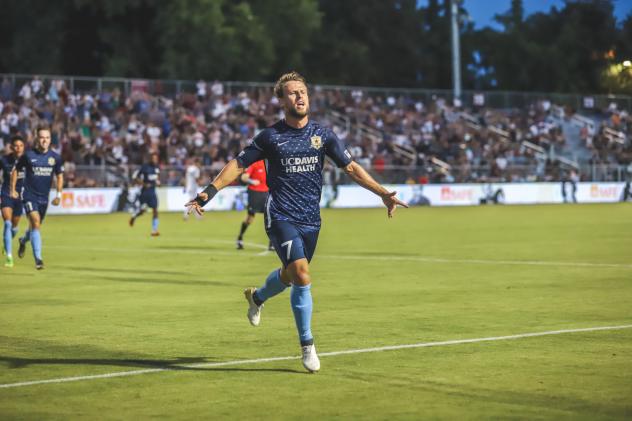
[[104, 132]]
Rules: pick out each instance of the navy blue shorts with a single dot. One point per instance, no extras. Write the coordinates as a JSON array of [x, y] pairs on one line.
[[257, 201], [7, 201], [35, 204], [149, 198], [291, 241]]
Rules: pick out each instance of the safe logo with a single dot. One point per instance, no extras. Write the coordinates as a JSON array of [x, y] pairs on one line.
[[603, 192], [70, 200]]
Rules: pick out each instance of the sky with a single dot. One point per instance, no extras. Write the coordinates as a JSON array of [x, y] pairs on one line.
[[482, 11]]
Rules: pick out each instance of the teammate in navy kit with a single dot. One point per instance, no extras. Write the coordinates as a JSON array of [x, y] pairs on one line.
[[149, 177], [39, 166], [12, 209], [294, 150]]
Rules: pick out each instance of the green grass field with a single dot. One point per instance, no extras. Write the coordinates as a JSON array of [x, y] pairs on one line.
[[113, 300]]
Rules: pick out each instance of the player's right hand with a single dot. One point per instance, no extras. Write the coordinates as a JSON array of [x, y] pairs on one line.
[[194, 205], [391, 202], [14, 194]]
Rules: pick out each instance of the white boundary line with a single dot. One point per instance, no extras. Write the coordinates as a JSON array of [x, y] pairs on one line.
[[422, 259], [325, 354], [481, 261]]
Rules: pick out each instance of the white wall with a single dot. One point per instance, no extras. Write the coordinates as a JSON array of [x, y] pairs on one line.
[[83, 201]]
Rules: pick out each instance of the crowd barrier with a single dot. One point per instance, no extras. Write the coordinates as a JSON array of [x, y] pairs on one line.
[[172, 199], [475, 194]]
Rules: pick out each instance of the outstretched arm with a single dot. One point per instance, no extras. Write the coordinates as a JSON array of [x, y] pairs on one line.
[[13, 182], [227, 175], [59, 186], [363, 178]]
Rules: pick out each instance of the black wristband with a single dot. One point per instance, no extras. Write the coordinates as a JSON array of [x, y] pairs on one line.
[[210, 191]]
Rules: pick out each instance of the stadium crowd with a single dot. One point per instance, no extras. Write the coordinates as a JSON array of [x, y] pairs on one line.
[[609, 143], [429, 140]]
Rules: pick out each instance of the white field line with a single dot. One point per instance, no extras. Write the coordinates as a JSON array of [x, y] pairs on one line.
[[480, 261], [422, 259], [324, 354]]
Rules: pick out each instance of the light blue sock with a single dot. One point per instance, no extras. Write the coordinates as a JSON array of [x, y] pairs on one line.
[[301, 300], [154, 224], [272, 287], [7, 237], [14, 232], [27, 236], [36, 243]]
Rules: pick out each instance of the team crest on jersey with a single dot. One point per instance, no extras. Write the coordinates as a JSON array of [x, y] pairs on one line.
[[317, 142], [51, 161]]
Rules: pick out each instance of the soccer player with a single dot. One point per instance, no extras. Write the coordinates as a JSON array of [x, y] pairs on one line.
[[191, 182], [39, 165], [149, 177], [255, 177], [294, 149], [12, 209]]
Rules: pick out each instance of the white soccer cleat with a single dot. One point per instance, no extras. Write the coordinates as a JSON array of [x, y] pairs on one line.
[[310, 358], [254, 311]]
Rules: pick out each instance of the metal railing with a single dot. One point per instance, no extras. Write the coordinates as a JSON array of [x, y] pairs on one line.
[[491, 99], [118, 176]]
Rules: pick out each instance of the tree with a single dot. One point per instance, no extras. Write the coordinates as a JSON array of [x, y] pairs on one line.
[[291, 26], [368, 42], [30, 35], [394, 43], [560, 51]]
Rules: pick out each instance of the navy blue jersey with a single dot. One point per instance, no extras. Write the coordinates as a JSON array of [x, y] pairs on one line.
[[294, 161], [7, 163], [148, 174], [39, 168]]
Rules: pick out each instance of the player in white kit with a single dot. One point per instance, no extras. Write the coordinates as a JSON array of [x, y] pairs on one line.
[[191, 182]]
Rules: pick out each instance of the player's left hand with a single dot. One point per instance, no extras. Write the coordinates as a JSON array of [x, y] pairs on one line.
[[391, 202], [194, 205], [56, 201]]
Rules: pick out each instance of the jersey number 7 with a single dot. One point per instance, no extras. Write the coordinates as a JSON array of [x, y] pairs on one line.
[[289, 247]]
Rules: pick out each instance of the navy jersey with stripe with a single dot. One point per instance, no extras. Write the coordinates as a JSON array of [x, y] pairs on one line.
[[295, 159], [7, 163], [148, 174], [39, 169]]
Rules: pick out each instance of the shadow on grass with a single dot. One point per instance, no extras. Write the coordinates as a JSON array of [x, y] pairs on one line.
[[375, 254], [130, 271], [164, 281], [177, 364], [133, 274], [12, 274], [204, 247]]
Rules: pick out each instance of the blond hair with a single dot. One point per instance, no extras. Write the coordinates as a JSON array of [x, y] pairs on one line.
[[288, 77]]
